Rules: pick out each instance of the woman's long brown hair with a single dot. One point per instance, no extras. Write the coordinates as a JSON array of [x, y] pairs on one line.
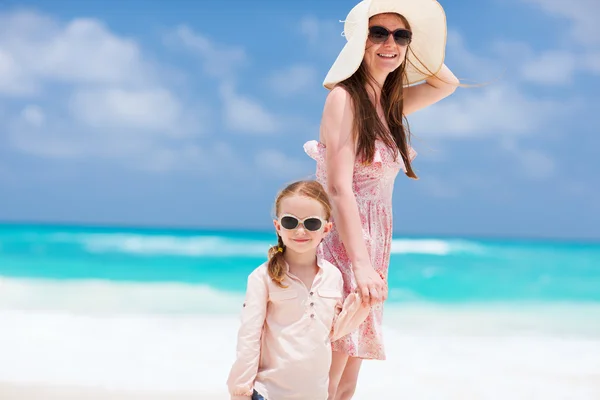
[[367, 124]]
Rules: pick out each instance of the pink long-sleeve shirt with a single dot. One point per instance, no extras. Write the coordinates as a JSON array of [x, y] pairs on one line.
[[284, 341]]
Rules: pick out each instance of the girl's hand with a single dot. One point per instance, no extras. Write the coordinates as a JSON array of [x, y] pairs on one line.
[[371, 286]]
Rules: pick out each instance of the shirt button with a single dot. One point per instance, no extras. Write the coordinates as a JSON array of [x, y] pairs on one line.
[[312, 315], [311, 293], [312, 304]]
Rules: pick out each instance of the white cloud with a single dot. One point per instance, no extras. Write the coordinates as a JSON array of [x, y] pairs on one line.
[[293, 80], [65, 139], [219, 60], [276, 163], [202, 159], [241, 113], [315, 29], [558, 67], [246, 115], [33, 115], [166, 159], [438, 187], [55, 139], [12, 80], [149, 109], [517, 60], [583, 15], [37, 48], [471, 66], [497, 109], [535, 164], [323, 35], [512, 59], [111, 104], [580, 52], [592, 62], [553, 67], [501, 107]]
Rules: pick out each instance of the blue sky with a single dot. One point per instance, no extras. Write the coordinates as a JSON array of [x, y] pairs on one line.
[[193, 114]]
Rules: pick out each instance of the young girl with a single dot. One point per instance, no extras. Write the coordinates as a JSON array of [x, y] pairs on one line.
[[293, 307]]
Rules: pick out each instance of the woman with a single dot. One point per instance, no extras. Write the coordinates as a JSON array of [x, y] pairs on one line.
[[363, 144]]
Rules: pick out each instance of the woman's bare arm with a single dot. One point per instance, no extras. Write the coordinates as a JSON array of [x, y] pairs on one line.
[[337, 134], [434, 89]]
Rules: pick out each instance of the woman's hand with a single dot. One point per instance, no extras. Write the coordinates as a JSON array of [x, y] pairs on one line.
[[370, 284]]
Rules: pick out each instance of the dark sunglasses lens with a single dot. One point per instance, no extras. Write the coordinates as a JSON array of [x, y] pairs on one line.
[[378, 34], [312, 224], [402, 37], [289, 222]]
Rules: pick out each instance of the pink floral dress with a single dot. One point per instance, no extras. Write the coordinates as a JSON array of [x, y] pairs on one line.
[[373, 185]]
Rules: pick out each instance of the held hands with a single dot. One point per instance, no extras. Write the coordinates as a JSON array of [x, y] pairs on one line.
[[371, 287]]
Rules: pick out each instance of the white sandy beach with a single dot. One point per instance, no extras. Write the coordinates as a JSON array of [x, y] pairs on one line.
[[63, 355], [48, 392]]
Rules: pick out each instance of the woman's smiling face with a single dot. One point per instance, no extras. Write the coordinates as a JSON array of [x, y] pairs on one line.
[[387, 56]]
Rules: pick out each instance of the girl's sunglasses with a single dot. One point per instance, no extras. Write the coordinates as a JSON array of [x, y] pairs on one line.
[[290, 222], [379, 34]]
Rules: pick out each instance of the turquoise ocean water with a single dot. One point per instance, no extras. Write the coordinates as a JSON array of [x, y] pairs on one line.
[[438, 270], [158, 309]]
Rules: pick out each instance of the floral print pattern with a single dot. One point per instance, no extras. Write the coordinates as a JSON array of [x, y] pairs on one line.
[[373, 185]]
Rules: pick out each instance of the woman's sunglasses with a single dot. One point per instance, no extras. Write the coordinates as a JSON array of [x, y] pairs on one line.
[[290, 222], [379, 34]]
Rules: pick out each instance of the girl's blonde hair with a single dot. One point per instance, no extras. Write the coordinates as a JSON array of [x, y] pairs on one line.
[[311, 189]]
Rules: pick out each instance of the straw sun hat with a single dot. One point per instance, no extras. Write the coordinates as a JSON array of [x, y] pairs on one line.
[[426, 51]]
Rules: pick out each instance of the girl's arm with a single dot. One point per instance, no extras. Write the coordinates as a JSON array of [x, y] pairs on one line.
[[434, 89], [244, 370], [340, 152]]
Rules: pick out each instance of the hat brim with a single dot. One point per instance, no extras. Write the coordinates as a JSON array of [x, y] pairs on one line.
[[426, 53]]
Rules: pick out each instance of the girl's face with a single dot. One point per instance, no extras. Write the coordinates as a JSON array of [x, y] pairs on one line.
[[301, 223]]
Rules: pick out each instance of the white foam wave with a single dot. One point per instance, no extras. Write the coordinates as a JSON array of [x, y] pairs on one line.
[[215, 246], [219, 246], [188, 353], [113, 297], [434, 246]]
